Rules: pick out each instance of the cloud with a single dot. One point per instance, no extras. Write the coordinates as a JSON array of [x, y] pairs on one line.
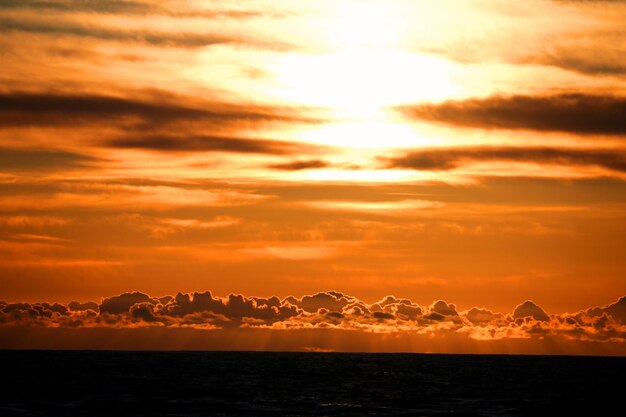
[[530, 309], [572, 112], [324, 310], [123, 302], [331, 301], [128, 7], [143, 311], [78, 306], [388, 208], [443, 308], [400, 307], [99, 6], [208, 143], [300, 165], [451, 158], [481, 315], [62, 27], [616, 310], [14, 159], [582, 55], [154, 108]]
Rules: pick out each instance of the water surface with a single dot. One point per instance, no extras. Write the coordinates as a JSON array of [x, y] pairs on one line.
[[106, 383]]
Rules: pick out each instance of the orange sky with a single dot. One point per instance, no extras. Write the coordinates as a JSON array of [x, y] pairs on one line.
[[466, 150]]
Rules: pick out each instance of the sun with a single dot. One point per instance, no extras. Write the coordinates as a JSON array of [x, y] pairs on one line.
[[366, 67], [360, 82], [365, 70]]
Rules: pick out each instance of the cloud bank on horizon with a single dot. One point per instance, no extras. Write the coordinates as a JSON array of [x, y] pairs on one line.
[[329, 310]]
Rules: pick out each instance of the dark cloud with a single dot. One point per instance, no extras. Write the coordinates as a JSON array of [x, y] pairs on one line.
[[401, 307], [96, 6], [379, 315], [443, 308], [450, 158], [300, 165], [208, 143], [585, 61], [331, 301], [122, 303], [150, 109], [530, 309], [574, 113], [15, 313], [78, 306], [13, 159], [159, 39], [234, 307], [324, 310], [128, 7], [481, 315], [617, 310], [435, 316], [143, 311]]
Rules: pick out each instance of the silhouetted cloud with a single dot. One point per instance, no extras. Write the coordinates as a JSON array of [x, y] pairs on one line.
[[234, 307], [616, 310], [208, 143], [78, 306], [324, 310], [402, 307], [20, 159], [481, 315], [129, 7], [143, 311], [530, 309], [443, 308], [122, 303], [330, 300], [450, 158], [300, 165], [96, 6], [573, 112], [583, 57], [155, 38], [149, 108]]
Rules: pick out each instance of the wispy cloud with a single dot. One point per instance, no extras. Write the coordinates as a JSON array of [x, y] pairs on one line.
[[191, 143], [29, 159], [454, 157], [571, 112], [147, 109], [116, 34], [300, 165]]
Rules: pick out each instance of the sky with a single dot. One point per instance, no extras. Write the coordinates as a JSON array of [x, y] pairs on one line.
[[471, 151]]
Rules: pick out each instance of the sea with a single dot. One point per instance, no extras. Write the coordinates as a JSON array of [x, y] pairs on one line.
[[183, 383]]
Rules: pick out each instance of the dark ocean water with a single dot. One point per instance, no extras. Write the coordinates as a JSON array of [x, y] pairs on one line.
[[97, 383]]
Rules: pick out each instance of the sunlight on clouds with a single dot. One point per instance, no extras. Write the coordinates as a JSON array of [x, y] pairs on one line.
[[379, 207], [364, 175], [288, 252]]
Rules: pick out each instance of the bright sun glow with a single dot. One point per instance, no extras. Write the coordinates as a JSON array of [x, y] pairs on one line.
[[366, 72], [363, 25], [369, 134], [359, 83], [367, 68]]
